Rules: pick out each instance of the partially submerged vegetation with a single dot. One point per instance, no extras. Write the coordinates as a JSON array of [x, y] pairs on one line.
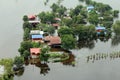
[[8, 72], [74, 27], [103, 56]]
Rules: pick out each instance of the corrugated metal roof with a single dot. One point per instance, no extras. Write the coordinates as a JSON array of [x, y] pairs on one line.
[[34, 21], [100, 27], [36, 32], [90, 7], [37, 36]]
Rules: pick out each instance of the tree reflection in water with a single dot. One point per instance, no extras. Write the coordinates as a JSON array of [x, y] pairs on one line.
[[19, 72], [44, 68], [115, 40], [91, 43], [88, 44]]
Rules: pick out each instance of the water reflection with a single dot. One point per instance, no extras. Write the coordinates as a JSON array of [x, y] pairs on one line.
[[20, 72], [91, 43], [44, 67], [86, 44], [115, 40]]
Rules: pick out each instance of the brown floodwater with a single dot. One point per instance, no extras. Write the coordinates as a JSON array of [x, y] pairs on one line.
[[11, 34]]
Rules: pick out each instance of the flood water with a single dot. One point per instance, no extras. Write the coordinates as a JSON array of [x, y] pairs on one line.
[[11, 35]]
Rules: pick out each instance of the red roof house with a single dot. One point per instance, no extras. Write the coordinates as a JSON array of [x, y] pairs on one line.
[[31, 17], [53, 40], [35, 52]]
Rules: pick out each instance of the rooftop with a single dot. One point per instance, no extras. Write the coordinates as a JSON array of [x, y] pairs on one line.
[[53, 40], [37, 36], [35, 51], [31, 17], [34, 21], [89, 8], [36, 32], [100, 27]]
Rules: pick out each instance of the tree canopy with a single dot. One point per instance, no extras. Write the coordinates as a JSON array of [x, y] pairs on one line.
[[68, 42]]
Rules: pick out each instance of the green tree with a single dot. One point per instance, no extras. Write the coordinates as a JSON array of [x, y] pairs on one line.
[[54, 7], [93, 18], [19, 61], [61, 10], [26, 54], [102, 7], [76, 11], [116, 27], [35, 45], [68, 42], [46, 17], [81, 0], [25, 45], [27, 25], [79, 19], [8, 64], [44, 56], [67, 22], [85, 32], [25, 18], [116, 13], [65, 30], [49, 29], [26, 35], [88, 2]]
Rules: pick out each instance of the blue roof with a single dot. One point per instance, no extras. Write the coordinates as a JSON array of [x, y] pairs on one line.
[[100, 27], [90, 7], [37, 36]]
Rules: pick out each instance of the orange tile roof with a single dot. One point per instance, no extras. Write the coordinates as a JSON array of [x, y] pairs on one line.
[[35, 51]]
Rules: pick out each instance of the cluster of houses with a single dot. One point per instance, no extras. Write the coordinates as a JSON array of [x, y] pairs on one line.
[[38, 37], [53, 41], [98, 28]]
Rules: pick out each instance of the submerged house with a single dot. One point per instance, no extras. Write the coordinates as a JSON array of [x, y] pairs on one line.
[[37, 37], [35, 52], [100, 29], [53, 41], [90, 8]]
